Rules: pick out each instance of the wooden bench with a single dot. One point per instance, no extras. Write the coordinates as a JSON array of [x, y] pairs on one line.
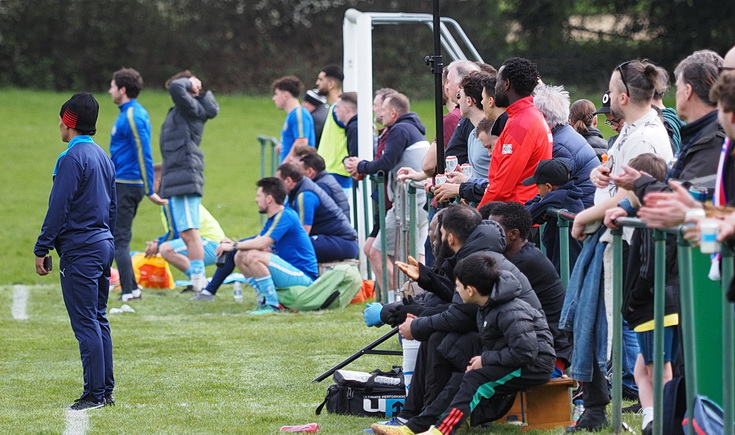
[[547, 406]]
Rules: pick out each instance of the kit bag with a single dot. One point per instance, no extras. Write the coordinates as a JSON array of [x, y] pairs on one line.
[[375, 394]]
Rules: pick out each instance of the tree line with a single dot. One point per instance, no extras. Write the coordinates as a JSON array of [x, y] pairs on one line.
[[242, 45]]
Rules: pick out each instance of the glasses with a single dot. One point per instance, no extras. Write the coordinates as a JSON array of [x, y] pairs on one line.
[[612, 122], [720, 69], [622, 75]]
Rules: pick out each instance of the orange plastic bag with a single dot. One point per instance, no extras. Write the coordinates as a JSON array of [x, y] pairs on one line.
[[366, 293], [152, 272]]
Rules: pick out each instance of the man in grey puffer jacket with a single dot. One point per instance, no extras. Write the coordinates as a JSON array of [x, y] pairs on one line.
[[183, 162]]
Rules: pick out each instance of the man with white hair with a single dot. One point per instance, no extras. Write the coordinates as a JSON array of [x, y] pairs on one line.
[[569, 146]]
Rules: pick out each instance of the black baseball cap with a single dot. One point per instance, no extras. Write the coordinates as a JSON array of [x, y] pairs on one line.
[[605, 108], [552, 171]]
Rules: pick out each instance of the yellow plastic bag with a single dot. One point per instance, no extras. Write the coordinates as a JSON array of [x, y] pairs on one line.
[[152, 272]]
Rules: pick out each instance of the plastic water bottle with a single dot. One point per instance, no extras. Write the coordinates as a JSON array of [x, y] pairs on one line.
[[578, 410], [237, 291]]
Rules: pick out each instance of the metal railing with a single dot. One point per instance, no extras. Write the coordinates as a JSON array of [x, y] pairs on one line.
[[686, 286]]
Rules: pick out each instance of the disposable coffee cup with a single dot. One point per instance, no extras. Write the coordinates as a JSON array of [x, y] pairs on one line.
[[708, 231], [440, 179]]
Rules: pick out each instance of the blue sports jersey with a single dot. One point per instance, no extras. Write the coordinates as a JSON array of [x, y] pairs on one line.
[[298, 124], [291, 241]]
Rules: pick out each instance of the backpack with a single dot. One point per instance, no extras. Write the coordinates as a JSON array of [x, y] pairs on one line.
[[334, 289], [375, 394]]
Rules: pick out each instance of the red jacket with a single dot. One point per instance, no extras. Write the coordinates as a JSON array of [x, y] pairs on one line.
[[525, 141]]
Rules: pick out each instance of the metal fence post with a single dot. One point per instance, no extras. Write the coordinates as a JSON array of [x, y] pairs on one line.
[[728, 335], [686, 286], [380, 179], [617, 354], [412, 222], [563, 225], [659, 301]]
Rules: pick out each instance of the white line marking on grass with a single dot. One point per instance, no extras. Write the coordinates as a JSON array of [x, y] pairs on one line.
[[20, 301], [77, 423]]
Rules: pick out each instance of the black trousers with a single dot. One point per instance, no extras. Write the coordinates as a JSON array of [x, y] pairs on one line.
[[128, 199], [464, 391]]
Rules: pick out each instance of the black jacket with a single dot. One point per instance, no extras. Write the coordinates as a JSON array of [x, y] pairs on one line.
[[513, 333], [594, 137], [699, 155], [458, 316], [550, 292]]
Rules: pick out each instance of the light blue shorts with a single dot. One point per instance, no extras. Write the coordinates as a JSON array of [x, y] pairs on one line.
[[286, 275], [210, 247], [186, 211]]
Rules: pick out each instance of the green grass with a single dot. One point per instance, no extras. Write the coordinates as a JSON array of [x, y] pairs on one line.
[[185, 367], [181, 367]]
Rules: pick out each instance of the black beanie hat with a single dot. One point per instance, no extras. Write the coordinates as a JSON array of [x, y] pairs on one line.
[[80, 113]]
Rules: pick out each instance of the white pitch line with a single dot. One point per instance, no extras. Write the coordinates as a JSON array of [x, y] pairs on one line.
[[20, 302], [77, 422]]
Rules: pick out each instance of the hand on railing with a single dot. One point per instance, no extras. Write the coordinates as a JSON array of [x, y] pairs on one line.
[[351, 165], [407, 173], [611, 215]]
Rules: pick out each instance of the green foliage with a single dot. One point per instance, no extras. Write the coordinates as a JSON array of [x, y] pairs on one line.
[[241, 46]]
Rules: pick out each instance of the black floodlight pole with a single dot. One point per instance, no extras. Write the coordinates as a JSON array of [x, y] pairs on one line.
[[437, 67]]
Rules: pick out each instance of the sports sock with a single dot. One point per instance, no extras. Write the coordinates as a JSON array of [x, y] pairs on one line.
[[196, 267], [647, 416], [267, 289]]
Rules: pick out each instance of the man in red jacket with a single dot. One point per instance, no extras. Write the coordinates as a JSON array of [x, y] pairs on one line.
[[526, 138]]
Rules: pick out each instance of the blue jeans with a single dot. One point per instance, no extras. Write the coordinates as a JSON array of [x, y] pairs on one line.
[[630, 354]]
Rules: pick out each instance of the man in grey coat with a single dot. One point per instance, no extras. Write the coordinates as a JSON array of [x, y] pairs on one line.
[[183, 162]]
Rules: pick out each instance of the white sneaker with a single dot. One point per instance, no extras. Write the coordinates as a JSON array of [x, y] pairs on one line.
[[198, 282], [135, 294]]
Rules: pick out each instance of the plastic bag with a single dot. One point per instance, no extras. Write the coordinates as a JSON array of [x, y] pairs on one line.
[[152, 272]]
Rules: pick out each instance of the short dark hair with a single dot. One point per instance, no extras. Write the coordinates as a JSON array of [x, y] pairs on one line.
[[274, 187], [302, 149], [129, 79], [479, 271], [514, 216], [472, 86], [289, 170], [488, 83], [651, 164], [314, 161], [461, 220], [484, 126], [488, 209], [522, 74], [290, 84], [335, 72], [723, 91]]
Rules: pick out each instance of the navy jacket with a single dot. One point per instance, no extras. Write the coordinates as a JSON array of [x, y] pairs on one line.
[[82, 205], [567, 197], [329, 220], [329, 185], [574, 150]]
